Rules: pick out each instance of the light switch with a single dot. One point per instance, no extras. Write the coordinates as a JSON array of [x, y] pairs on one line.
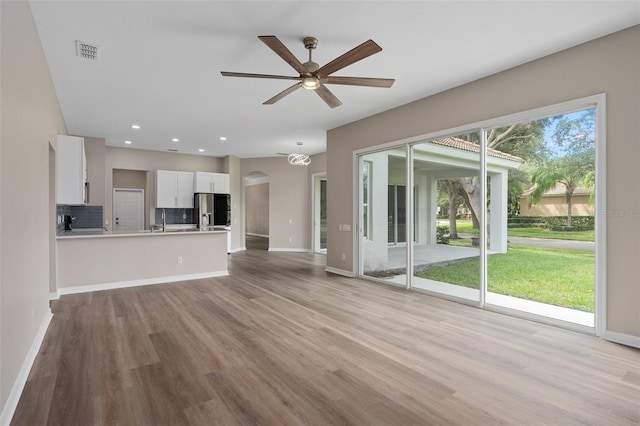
[[346, 227]]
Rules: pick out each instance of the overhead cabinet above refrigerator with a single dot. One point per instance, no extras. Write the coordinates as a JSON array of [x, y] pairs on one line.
[[72, 187], [206, 182]]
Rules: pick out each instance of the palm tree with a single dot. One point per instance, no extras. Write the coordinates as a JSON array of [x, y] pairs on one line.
[[570, 171]]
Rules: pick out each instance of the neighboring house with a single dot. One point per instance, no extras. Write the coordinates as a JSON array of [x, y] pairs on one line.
[[554, 203]]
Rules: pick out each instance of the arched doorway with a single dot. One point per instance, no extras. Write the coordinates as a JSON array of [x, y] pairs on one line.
[[256, 190]]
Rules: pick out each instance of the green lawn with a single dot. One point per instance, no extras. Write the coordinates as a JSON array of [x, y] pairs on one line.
[[560, 277]]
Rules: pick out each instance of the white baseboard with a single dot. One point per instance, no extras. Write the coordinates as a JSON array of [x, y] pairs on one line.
[[54, 296], [18, 386], [337, 271], [622, 338], [235, 250], [256, 235], [135, 283], [292, 250]]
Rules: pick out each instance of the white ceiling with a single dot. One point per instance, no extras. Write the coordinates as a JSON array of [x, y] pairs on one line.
[[159, 62]]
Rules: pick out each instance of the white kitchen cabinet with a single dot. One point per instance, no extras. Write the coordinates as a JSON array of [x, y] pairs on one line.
[[211, 182], [72, 187], [174, 189], [185, 190]]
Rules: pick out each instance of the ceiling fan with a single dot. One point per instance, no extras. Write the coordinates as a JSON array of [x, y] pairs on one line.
[[312, 76]]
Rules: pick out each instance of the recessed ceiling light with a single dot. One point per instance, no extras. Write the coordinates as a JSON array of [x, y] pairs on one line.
[[201, 150], [128, 142], [223, 138], [175, 140], [135, 126]]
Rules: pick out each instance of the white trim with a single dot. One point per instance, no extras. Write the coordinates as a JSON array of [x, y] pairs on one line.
[[357, 261], [337, 271], [600, 307], [54, 295], [136, 283], [256, 235], [20, 382], [256, 181], [315, 204], [288, 249], [237, 249], [622, 338]]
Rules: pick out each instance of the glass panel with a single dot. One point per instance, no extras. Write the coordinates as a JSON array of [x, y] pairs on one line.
[[447, 184], [383, 215], [541, 218]]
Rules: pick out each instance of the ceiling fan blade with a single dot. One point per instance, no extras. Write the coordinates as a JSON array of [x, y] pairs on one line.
[[244, 74], [365, 50], [361, 81], [282, 94], [328, 96], [281, 50]]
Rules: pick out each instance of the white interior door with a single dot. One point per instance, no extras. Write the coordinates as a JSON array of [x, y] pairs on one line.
[[128, 209]]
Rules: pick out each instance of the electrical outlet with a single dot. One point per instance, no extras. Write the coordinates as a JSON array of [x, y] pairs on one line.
[[184, 215], [290, 239], [344, 256], [179, 260], [346, 227]]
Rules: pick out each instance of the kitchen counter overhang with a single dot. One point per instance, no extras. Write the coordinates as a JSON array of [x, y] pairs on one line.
[[100, 260]]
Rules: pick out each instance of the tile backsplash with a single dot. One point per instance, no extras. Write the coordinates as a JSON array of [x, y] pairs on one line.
[[85, 216], [175, 216]]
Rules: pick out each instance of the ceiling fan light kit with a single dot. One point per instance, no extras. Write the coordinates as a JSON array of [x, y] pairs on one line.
[[312, 76]]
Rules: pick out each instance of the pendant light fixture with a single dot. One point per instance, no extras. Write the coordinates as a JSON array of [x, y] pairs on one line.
[[299, 159]]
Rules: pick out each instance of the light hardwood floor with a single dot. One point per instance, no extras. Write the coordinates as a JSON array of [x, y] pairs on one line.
[[281, 342]]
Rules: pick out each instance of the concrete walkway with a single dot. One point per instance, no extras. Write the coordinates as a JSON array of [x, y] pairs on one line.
[[546, 242]]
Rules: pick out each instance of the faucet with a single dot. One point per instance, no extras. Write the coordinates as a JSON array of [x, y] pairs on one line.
[[164, 221]]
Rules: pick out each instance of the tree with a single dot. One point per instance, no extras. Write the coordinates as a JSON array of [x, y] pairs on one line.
[[524, 140], [572, 163]]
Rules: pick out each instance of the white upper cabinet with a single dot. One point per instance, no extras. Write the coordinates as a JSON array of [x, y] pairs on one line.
[[174, 189], [211, 182], [185, 190], [71, 171]]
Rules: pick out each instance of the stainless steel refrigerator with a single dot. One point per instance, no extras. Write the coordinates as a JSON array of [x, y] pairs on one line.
[[211, 209], [203, 209]]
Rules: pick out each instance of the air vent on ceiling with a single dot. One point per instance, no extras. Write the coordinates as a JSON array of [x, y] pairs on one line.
[[86, 50], [172, 150]]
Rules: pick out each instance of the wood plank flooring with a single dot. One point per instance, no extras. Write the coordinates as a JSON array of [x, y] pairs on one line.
[[281, 342]]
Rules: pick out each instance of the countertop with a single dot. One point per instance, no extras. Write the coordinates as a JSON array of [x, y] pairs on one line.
[[99, 232]]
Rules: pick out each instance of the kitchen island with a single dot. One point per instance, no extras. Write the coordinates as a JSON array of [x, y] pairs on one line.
[[101, 260]]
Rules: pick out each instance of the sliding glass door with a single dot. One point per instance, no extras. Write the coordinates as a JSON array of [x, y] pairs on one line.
[[383, 215], [503, 216], [446, 177]]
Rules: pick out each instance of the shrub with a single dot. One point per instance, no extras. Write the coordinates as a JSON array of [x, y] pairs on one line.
[[442, 234]]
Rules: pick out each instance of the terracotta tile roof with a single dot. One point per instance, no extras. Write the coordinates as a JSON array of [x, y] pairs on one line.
[[472, 147]]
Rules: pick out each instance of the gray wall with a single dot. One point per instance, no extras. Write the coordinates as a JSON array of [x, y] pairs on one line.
[[288, 208], [257, 209], [608, 65], [31, 119]]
